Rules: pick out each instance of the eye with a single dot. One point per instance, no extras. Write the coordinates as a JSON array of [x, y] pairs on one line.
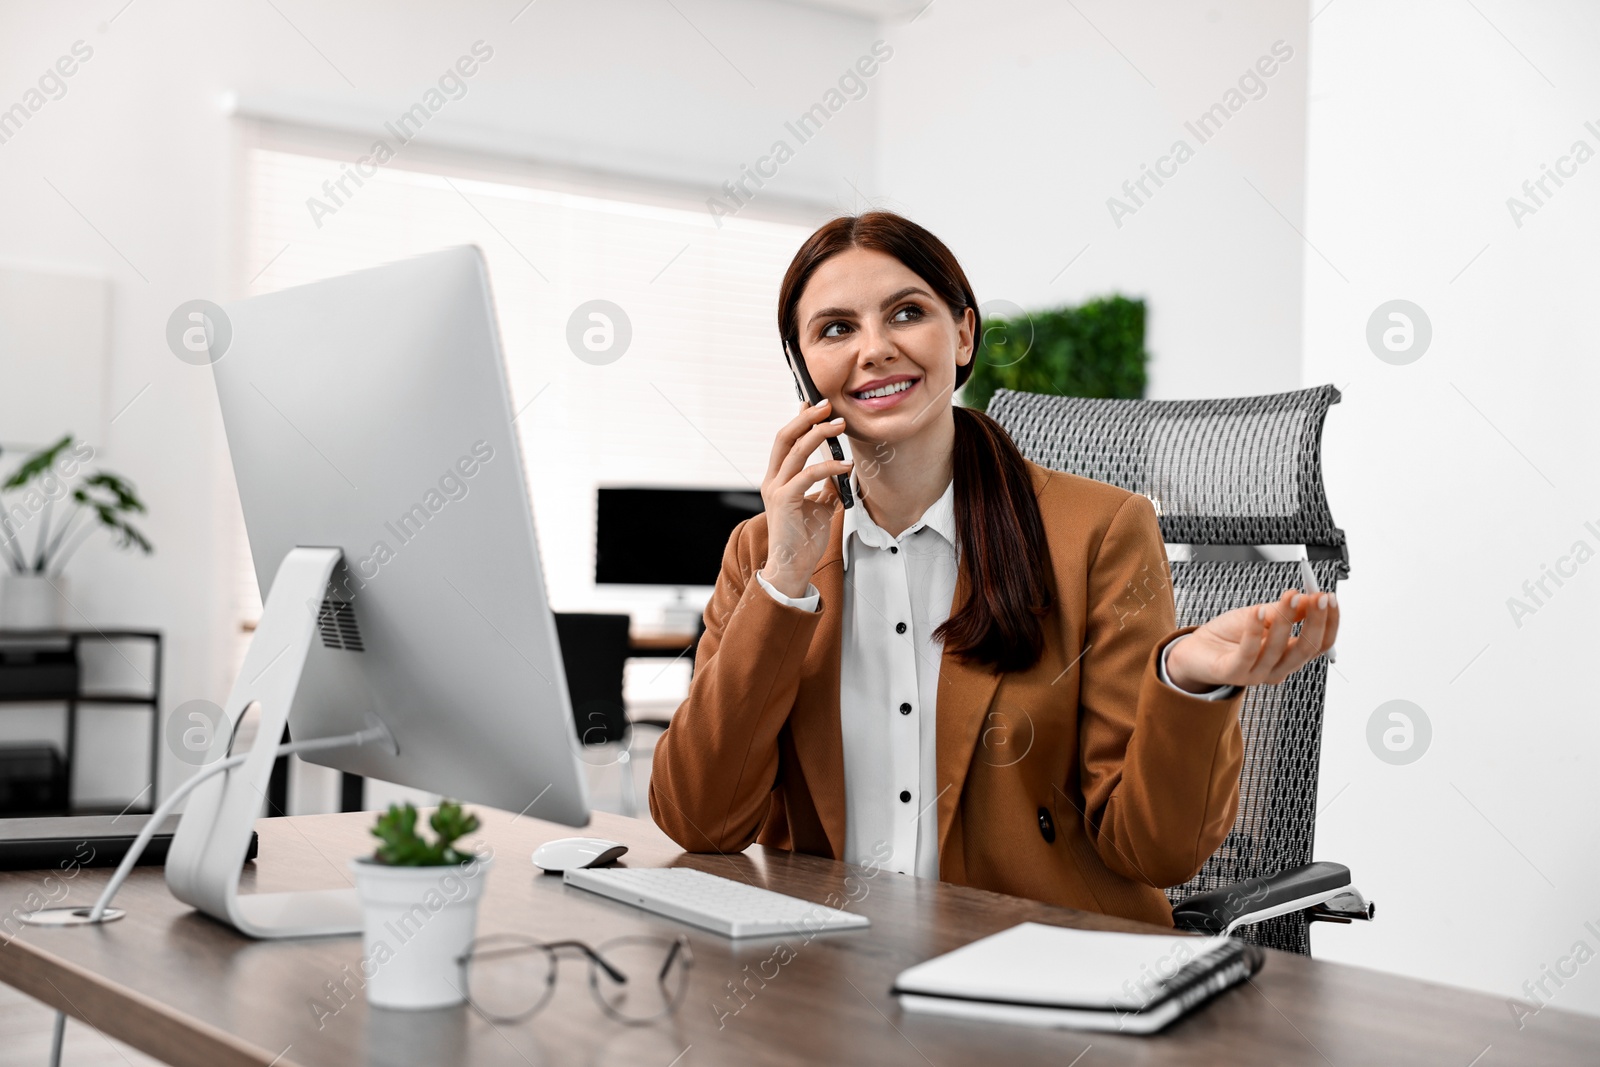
[[834, 329], [908, 313]]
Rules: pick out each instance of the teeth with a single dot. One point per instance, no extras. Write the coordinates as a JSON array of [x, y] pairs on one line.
[[886, 390]]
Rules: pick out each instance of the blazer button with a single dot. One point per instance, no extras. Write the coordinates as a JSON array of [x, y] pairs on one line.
[[899, 627], [1047, 826]]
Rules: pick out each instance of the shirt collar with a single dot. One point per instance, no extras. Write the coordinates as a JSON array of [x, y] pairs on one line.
[[940, 518]]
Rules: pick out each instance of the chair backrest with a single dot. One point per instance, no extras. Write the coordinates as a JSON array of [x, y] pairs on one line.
[[594, 652], [1225, 475]]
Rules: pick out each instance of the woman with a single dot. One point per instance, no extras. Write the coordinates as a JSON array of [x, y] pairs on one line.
[[972, 674]]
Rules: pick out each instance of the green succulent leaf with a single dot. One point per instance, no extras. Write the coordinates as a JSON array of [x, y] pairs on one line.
[[400, 845]]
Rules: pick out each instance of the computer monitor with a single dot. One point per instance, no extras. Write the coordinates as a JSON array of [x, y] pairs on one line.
[[666, 536], [370, 426]]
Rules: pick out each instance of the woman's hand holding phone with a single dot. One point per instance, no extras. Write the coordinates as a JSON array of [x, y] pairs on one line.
[[798, 525]]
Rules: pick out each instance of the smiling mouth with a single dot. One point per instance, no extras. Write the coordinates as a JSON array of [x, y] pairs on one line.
[[886, 390]]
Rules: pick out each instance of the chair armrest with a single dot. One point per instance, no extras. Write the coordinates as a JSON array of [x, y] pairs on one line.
[[1322, 888]]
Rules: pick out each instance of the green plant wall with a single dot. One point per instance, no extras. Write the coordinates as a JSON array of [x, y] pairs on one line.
[[1096, 349]]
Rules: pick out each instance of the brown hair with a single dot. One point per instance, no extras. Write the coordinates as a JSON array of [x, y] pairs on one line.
[[997, 516]]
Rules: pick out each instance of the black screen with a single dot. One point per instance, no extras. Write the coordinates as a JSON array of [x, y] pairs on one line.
[[666, 536]]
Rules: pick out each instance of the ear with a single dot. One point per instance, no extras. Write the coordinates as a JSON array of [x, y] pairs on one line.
[[965, 329]]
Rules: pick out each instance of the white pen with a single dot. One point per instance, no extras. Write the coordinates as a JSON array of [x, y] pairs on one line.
[[1309, 577]]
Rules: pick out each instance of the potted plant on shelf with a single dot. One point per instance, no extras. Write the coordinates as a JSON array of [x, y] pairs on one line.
[[420, 904], [52, 502]]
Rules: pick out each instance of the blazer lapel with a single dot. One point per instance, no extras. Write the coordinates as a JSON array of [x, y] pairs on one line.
[[965, 692], [814, 723]]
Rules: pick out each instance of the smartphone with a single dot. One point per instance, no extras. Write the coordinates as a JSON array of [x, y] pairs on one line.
[[807, 390]]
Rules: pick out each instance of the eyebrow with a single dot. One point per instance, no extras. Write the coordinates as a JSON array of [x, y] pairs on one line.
[[893, 298]]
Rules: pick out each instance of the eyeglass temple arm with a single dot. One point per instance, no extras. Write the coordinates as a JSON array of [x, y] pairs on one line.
[[679, 944]]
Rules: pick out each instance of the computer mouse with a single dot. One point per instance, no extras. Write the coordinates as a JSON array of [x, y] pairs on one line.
[[573, 853]]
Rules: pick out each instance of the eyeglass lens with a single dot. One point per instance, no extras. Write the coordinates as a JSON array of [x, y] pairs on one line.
[[510, 978], [658, 976]]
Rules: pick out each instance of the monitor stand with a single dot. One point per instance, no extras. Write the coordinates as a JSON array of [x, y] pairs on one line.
[[208, 849], [680, 616]]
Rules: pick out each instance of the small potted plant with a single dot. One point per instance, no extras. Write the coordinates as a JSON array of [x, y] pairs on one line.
[[49, 507], [420, 905]]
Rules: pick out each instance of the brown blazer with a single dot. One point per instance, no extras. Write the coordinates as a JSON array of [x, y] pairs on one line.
[[1082, 781]]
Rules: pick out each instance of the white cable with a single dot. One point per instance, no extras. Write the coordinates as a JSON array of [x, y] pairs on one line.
[[148, 831], [159, 816]]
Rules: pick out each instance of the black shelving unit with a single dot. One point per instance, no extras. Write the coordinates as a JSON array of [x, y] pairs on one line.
[[66, 687]]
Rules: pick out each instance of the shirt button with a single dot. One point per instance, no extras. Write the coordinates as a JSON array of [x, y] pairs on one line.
[[894, 548], [899, 627], [905, 796], [1047, 826], [905, 709]]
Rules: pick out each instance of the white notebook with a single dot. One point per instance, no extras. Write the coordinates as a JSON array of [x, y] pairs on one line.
[[1085, 979]]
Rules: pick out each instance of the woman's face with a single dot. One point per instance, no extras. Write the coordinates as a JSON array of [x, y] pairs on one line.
[[867, 321]]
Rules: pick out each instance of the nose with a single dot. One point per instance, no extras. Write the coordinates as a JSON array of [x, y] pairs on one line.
[[876, 345]]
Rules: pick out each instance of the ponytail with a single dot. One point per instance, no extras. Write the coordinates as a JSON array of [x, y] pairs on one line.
[[1003, 543]]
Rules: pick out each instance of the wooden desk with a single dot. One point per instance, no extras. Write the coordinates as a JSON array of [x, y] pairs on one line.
[[192, 992]]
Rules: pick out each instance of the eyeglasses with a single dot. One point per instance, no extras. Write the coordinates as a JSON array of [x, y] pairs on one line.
[[636, 979]]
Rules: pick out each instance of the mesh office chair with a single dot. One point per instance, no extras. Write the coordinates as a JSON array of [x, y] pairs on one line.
[[1237, 484]]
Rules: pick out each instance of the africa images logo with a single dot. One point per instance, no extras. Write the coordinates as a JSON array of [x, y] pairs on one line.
[[852, 85], [404, 129], [1252, 85]]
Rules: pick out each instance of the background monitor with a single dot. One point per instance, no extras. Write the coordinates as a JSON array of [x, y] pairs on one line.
[[666, 536], [370, 412]]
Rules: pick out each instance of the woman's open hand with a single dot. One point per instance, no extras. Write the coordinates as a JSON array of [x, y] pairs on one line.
[[1253, 646], [798, 526]]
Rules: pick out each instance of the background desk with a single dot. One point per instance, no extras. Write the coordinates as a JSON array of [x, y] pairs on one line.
[[191, 992], [662, 645]]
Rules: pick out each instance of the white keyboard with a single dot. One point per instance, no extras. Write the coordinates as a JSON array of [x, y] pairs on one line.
[[721, 905]]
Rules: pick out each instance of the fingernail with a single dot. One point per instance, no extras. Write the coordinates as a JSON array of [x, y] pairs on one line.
[[1333, 600], [821, 403], [1295, 602], [1322, 601], [1261, 614], [836, 422], [849, 462]]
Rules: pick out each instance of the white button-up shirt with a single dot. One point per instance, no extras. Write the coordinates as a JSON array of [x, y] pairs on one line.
[[897, 591]]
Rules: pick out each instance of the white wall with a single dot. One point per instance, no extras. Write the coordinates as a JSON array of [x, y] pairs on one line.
[[1458, 477], [1006, 126]]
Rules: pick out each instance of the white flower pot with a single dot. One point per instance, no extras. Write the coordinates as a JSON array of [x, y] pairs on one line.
[[30, 602], [418, 923]]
